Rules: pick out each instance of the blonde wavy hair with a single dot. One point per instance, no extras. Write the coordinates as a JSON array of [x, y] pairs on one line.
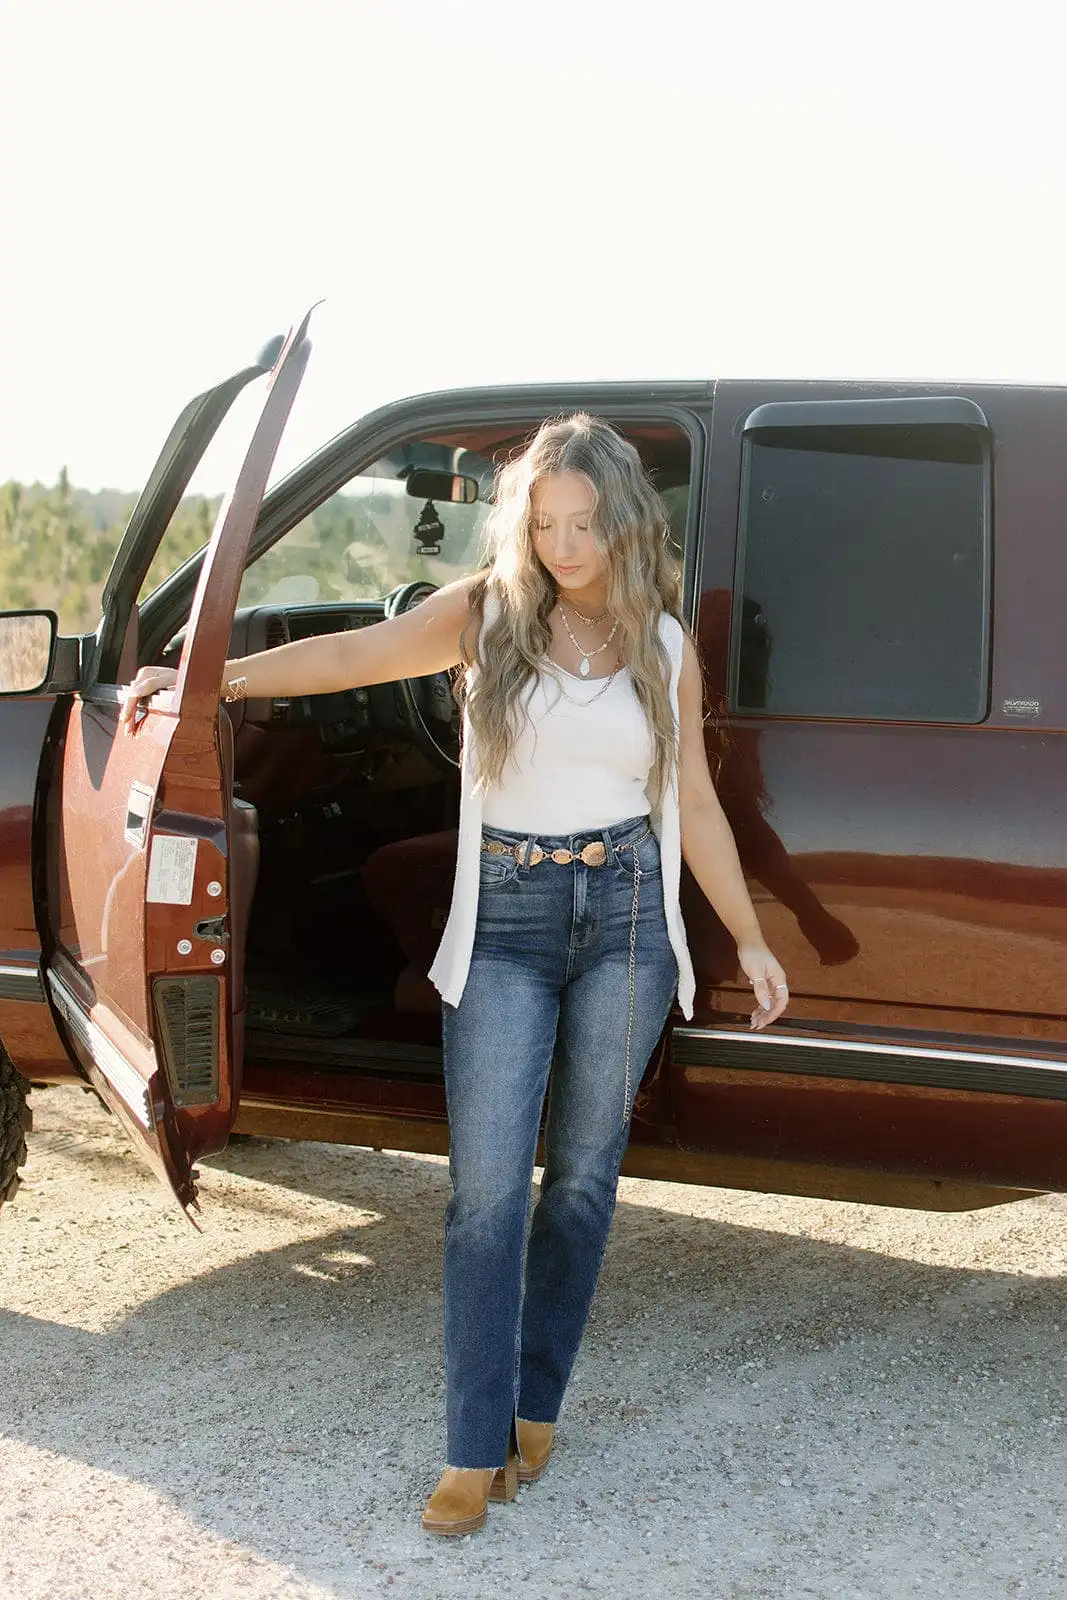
[[629, 527]]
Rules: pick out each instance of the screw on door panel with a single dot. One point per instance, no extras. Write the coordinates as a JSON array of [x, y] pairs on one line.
[[218, 957]]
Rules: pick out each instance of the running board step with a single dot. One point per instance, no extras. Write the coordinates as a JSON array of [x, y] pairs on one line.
[[388, 1058]]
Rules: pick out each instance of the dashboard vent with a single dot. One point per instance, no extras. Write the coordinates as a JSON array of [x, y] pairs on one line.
[[276, 633]]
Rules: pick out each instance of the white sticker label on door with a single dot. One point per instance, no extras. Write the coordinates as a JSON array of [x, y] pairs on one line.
[[138, 810], [171, 869]]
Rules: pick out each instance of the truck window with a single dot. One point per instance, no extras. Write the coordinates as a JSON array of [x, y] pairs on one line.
[[863, 573], [675, 497]]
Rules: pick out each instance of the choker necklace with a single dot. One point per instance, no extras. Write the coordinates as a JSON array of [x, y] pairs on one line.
[[587, 655], [590, 622]]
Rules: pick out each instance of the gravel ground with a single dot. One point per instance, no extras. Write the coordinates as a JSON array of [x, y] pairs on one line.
[[776, 1397]]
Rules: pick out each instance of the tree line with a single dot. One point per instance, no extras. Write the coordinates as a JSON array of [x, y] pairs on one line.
[[57, 544]]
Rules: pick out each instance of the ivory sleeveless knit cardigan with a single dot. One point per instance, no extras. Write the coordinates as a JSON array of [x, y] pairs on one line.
[[452, 961]]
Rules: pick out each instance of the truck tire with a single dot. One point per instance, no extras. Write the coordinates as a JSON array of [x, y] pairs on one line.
[[16, 1119]]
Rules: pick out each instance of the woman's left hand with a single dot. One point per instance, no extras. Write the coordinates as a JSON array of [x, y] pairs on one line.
[[767, 978]]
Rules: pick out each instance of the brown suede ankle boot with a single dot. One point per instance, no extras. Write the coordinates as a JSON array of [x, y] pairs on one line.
[[460, 1503], [535, 1443]]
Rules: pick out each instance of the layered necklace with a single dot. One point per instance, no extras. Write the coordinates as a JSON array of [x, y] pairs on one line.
[[588, 655], [590, 622]]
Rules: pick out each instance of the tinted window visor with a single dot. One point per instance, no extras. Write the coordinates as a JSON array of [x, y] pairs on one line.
[[862, 588]]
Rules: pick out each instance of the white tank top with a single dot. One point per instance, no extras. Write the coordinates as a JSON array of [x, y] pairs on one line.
[[581, 759]]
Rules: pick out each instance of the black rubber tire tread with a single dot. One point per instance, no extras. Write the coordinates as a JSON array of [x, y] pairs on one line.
[[16, 1120]]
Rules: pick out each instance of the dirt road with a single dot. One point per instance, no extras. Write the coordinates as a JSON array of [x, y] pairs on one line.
[[776, 1398]]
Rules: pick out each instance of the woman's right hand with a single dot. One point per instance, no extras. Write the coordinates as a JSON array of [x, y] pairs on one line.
[[149, 681]]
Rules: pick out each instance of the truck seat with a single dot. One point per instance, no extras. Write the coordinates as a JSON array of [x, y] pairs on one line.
[[409, 884]]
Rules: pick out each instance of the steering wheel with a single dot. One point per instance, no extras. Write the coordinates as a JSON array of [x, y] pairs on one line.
[[427, 705]]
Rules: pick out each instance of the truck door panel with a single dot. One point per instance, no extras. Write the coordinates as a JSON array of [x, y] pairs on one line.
[[910, 874], [152, 865]]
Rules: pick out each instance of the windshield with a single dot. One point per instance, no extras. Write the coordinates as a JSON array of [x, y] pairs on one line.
[[370, 537]]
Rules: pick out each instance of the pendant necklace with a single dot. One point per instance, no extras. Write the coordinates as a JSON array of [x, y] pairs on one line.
[[587, 655]]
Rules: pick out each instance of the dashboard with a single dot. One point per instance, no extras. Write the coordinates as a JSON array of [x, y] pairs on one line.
[[344, 721]]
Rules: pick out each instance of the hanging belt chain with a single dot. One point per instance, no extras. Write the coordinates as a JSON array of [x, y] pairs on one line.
[[593, 855], [632, 986]]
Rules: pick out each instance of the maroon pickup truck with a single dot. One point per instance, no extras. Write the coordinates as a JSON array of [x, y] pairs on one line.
[[223, 919]]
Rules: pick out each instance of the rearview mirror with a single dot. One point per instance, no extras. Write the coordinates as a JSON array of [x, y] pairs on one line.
[[27, 644], [429, 485]]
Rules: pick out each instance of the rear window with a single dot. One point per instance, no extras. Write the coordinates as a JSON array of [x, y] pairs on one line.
[[863, 573]]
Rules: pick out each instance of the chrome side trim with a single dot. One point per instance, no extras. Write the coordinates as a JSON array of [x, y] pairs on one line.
[[801, 1042], [21, 983], [105, 1056], [972, 1071]]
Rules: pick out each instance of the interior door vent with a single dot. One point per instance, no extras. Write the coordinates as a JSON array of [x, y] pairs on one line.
[[187, 1012]]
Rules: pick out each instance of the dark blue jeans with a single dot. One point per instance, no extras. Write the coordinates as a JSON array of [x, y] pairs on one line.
[[549, 975]]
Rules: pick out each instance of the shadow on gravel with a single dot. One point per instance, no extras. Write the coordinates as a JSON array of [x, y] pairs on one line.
[[291, 1402]]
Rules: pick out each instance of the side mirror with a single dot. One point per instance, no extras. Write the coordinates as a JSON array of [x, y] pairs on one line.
[[27, 646], [426, 484]]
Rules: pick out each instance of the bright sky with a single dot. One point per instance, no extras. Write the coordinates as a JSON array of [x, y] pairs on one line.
[[486, 191]]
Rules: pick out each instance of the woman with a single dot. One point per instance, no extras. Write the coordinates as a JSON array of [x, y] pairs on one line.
[[584, 782]]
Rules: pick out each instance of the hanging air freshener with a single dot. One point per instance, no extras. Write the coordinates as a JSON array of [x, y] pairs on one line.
[[429, 531]]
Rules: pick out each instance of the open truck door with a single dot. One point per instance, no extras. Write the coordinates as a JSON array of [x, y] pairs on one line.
[[150, 861]]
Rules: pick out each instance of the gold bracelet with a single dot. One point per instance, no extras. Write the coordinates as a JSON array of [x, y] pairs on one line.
[[235, 689]]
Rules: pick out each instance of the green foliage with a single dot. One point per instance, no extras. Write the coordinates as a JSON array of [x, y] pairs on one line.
[[57, 545], [190, 529]]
